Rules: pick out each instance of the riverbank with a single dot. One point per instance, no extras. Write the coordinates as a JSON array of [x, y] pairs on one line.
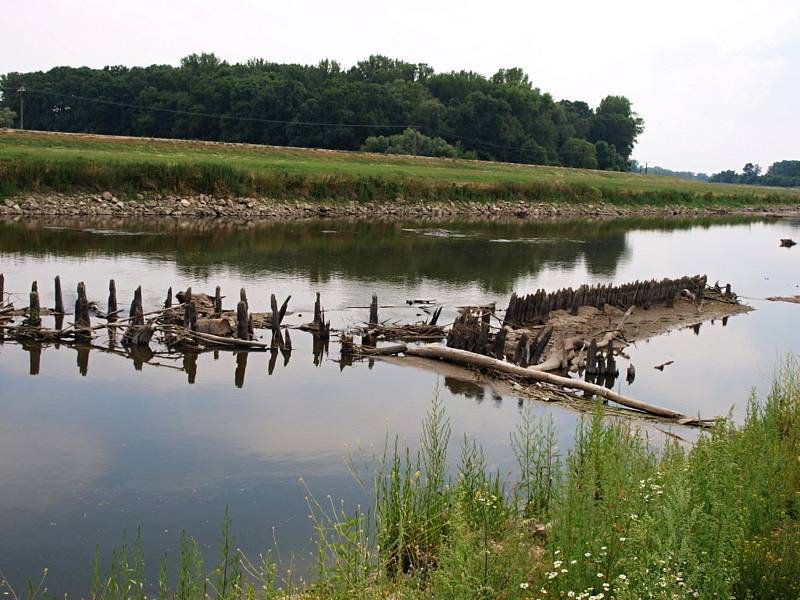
[[247, 208], [52, 172]]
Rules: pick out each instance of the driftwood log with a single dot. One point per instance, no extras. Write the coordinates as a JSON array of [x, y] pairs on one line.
[[470, 359]]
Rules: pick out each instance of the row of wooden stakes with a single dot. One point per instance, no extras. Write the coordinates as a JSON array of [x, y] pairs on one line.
[[535, 308]]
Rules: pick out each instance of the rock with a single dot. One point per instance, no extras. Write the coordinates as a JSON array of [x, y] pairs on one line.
[[107, 196], [9, 203], [185, 203]]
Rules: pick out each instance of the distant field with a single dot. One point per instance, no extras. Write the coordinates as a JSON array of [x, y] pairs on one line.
[[37, 161]]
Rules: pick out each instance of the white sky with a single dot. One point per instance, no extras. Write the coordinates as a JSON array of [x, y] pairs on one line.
[[717, 81]]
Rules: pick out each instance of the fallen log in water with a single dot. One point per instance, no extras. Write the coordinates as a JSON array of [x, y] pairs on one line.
[[219, 340], [470, 359]]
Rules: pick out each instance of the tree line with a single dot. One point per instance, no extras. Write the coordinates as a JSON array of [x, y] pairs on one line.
[[784, 173], [380, 104]]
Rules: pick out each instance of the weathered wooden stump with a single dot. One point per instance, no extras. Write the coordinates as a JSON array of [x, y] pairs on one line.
[[631, 375], [373, 310], [168, 301], [242, 330], [591, 358], [59, 297], [218, 303], [317, 311], [34, 311], [112, 315], [83, 323], [136, 312], [500, 343], [189, 310]]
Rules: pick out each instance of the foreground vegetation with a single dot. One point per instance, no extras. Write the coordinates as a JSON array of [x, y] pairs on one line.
[[611, 518], [42, 162]]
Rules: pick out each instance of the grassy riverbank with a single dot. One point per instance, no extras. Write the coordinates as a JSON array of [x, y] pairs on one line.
[[43, 162], [611, 518]]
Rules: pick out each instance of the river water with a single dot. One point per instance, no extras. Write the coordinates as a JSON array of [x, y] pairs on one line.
[[93, 443]]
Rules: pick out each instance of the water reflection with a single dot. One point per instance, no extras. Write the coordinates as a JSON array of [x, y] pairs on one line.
[[490, 254]]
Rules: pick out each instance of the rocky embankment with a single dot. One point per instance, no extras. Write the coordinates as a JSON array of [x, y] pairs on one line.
[[202, 206]]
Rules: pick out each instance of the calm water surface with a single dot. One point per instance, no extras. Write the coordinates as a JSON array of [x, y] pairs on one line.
[[94, 443]]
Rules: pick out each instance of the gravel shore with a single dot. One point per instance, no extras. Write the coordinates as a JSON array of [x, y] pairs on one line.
[[202, 206]]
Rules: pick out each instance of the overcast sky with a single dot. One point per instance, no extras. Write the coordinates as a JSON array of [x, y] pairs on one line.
[[717, 81]]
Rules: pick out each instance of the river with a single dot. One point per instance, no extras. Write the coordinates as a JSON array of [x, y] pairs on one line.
[[93, 443]]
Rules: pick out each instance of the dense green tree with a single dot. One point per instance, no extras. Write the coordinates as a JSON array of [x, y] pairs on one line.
[[504, 117], [579, 153]]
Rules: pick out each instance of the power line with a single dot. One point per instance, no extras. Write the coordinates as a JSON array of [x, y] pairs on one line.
[[176, 111]]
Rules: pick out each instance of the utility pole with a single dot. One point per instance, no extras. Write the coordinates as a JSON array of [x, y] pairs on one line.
[[21, 92]]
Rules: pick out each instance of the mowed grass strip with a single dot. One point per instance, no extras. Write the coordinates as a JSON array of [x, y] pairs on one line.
[[40, 161]]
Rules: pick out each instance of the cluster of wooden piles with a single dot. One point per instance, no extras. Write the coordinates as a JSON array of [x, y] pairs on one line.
[[196, 320], [535, 308]]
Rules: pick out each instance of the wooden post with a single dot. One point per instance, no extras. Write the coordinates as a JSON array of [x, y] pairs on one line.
[[34, 311], [59, 307], [591, 358], [187, 321], [191, 310], [168, 302], [2, 289], [35, 286], [611, 364], [521, 352], [324, 332], [500, 344], [137, 310], [373, 310], [218, 303], [274, 321], [83, 322], [112, 301], [243, 298], [317, 311], [241, 321]]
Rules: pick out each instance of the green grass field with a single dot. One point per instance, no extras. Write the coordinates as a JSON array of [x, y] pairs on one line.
[[36, 161]]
